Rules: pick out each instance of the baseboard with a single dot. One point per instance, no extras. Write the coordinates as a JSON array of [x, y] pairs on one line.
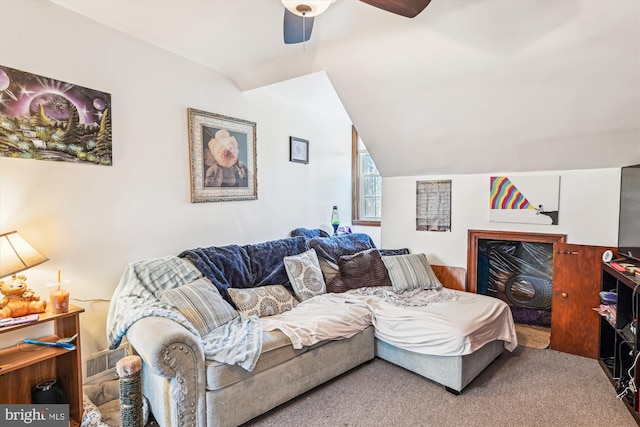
[[101, 366]]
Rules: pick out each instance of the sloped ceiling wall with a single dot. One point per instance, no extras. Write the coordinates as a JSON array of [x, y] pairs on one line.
[[547, 85], [467, 86]]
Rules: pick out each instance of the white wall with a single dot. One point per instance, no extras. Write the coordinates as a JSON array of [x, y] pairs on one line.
[[90, 221], [588, 214]]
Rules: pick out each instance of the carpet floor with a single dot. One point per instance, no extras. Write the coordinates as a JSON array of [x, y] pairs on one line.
[[529, 387]]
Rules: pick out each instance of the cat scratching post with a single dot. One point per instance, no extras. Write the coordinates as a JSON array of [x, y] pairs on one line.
[[128, 369]]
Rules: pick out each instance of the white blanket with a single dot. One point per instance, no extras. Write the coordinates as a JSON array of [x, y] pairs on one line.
[[447, 327], [452, 328], [323, 317]]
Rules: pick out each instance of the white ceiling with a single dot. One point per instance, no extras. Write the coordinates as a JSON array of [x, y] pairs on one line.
[[468, 86]]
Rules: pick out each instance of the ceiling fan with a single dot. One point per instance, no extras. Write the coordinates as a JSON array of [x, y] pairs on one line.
[[299, 14]]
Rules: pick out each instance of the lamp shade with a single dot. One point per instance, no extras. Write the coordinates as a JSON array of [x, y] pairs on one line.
[[16, 254]]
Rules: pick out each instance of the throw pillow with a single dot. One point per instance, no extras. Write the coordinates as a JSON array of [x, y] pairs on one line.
[[263, 300], [201, 303], [390, 252], [336, 285], [332, 248], [305, 274], [329, 269], [411, 271], [363, 269]]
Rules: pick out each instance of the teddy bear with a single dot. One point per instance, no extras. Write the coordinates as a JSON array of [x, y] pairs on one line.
[[18, 300]]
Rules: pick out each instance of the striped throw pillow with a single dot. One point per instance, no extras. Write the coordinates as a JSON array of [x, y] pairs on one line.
[[201, 303], [411, 271]]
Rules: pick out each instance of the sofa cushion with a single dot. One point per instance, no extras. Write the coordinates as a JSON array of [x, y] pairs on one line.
[[332, 248], [263, 300], [266, 260], [276, 349], [305, 275], [363, 269], [201, 303], [411, 271], [225, 266]]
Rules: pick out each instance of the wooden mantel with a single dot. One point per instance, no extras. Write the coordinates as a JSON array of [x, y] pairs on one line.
[[518, 236]]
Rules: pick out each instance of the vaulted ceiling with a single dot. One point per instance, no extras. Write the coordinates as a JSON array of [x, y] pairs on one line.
[[468, 86]]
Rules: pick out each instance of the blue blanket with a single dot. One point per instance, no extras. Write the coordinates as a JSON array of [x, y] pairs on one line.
[[224, 266], [246, 266], [309, 233]]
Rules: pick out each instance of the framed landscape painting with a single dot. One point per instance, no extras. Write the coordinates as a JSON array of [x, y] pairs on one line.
[[223, 158], [46, 119]]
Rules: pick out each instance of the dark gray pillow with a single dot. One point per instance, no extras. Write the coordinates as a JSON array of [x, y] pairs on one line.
[[390, 252], [332, 248], [336, 285], [363, 269]]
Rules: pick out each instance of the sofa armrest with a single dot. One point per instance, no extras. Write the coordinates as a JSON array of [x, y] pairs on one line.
[[174, 356], [161, 342]]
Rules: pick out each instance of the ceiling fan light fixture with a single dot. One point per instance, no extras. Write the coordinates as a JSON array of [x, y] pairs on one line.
[[307, 8]]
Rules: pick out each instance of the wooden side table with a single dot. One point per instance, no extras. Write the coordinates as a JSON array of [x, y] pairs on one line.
[[23, 367]]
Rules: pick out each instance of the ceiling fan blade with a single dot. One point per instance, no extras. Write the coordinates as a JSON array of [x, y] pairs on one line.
[[295, 26], [408, 8]]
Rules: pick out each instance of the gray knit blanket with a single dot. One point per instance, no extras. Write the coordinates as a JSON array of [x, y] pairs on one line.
[[238, 342]]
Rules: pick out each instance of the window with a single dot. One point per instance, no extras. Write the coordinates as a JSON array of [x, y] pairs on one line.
[[366, 185]]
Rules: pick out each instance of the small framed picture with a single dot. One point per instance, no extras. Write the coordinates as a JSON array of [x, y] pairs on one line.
[[298, 150]]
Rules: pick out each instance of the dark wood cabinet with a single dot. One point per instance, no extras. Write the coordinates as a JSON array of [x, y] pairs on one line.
[[576, 286], [618, 349]]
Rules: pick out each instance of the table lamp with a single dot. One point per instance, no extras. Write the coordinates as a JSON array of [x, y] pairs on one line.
[[16, 254]]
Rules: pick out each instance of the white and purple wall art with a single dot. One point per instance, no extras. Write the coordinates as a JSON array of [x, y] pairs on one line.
[[46, 119]]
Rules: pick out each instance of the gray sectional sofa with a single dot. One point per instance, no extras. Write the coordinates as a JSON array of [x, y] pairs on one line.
[[184, 388]]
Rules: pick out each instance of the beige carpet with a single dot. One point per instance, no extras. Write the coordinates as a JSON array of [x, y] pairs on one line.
[[533, 336], [526, 388]]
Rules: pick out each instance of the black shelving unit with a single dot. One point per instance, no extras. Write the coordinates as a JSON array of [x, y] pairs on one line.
[[618, 343]]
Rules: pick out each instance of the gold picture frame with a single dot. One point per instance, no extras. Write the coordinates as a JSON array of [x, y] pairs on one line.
[[223, 158]]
